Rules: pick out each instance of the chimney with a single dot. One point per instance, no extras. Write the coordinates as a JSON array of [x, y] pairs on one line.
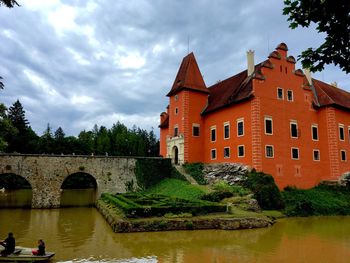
[[308, 75], [250, 61], [334, 84]]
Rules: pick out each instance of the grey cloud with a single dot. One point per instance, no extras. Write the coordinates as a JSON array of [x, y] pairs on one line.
[[151, 32]]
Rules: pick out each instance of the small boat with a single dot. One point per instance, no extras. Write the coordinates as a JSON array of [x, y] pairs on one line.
[[25, 255]]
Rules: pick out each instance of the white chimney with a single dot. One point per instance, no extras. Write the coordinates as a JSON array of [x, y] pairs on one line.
[[250, 61], [308, 75]]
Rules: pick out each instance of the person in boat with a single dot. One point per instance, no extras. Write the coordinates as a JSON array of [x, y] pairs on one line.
[[9, 244], [41, 248]]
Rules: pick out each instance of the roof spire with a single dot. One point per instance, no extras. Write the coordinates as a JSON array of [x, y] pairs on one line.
[[188, 77]]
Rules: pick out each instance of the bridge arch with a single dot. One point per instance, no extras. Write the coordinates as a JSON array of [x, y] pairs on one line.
[[78, 189], [15, 191]]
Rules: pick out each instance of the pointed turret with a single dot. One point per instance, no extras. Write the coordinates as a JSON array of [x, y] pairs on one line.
[[188, 77]]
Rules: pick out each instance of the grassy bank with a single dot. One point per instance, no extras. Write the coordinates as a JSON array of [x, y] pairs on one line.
[[320, 200], [178, 188]]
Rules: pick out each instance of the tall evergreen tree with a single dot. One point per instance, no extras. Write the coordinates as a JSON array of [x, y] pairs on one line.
[[25, 141], [16, 114]]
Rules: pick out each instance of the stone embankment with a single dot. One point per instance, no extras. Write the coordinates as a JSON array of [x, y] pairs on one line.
[[233, 173], [122, 225]]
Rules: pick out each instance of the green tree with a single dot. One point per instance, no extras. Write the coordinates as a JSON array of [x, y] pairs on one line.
[[6, 128], [25, 140], [86, 141], [9, 3], [16, 114], [47, 142], [332, 18]]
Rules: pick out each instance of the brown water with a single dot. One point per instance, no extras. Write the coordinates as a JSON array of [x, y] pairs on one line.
[[82, 235]]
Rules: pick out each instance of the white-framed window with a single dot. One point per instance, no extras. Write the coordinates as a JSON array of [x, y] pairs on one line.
[[176, 111], [269, 153], [213, 133], [240, 151], [268, 125], [314, 132], [316, 155], [290, 95], [343, 155], [240, 127], [341, 132], [213, 154], [227, 130], [227, 152], [295, 153], [195, 129], [280, 94], [176, 131], [293, 129]]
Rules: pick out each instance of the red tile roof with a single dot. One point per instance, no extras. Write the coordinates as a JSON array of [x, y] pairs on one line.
[[165, 122], [234, 89], [330, 95], [229, 91], [188, 77]]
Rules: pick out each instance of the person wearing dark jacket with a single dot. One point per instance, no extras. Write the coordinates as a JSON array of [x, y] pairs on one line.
[[9, 244], [41, 248]]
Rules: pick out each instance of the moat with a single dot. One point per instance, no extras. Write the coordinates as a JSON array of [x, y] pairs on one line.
[[82, 235]]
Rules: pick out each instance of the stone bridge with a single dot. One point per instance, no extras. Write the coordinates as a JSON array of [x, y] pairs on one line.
[[46, 173]]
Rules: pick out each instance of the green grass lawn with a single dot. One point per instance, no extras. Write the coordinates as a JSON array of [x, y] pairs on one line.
[[178, 188]]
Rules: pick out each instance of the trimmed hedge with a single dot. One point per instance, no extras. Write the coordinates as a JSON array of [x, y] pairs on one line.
[[140, 205]]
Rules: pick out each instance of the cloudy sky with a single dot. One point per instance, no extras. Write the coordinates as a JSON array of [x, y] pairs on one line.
[[76, 63]]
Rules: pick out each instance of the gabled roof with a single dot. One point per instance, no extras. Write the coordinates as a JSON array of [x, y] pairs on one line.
[[330, 95], [188, 77]]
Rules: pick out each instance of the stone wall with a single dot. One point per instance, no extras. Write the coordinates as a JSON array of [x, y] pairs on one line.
[[46, 173]]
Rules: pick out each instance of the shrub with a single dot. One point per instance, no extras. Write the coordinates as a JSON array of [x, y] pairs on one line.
[[265, 190], [149, 172], [234, 189], [196, 171], [217, 196]]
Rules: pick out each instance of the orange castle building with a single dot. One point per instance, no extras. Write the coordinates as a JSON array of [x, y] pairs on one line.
[[272, 117]]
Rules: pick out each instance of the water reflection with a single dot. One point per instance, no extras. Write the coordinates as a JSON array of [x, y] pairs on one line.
[[82, 235]]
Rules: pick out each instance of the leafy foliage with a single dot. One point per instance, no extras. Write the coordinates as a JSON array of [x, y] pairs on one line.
[[265, 190], [332, 18], [141, 205], [79, 181], [234, 189], [320, 200], [13, 181], [16, 135], [196, 171], [9, 3], [151, 171]]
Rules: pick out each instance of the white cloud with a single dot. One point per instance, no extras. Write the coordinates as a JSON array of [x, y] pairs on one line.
[[78, 57], [40, 83], [131, 60]]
